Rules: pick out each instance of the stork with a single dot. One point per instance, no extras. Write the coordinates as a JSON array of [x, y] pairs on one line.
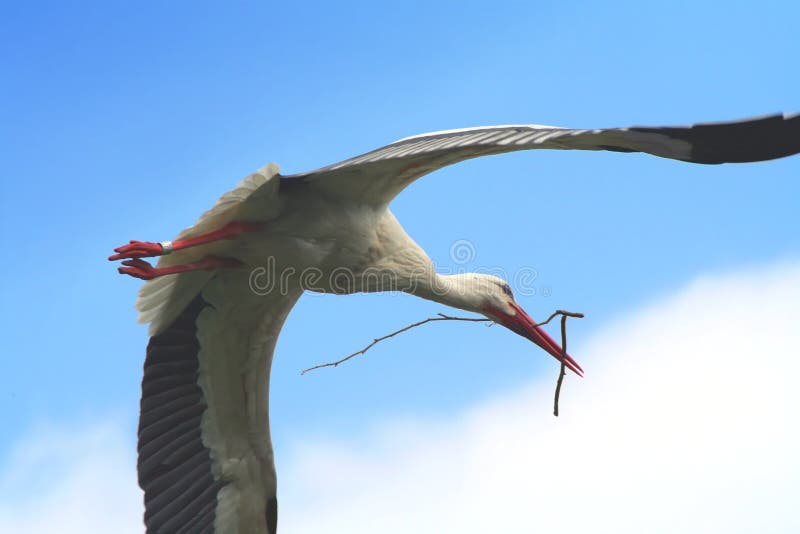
[[205, 459]]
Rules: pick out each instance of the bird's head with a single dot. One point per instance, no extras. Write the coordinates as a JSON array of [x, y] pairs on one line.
[[492, 296]]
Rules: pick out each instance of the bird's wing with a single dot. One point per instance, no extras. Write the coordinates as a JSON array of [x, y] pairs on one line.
[[205, 457], [378, 176]]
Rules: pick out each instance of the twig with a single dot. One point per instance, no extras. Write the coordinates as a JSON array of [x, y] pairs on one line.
[[563, 371], [442, 317], [564, 313]]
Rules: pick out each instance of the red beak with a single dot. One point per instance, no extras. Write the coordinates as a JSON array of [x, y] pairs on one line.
[[524, 325]]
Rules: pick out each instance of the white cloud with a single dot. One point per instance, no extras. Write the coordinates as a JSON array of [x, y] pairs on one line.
[[686, 422], [70, 481]]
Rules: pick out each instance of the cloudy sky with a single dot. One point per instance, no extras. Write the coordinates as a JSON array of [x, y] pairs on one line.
[[125, 122]]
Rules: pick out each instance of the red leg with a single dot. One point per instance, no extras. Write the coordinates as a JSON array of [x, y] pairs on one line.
[[147, 249], [141, 269]]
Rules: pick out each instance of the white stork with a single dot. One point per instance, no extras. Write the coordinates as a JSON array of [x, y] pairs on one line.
[[205, 457]]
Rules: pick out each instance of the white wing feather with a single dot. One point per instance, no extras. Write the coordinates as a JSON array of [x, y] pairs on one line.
[[379, 175]]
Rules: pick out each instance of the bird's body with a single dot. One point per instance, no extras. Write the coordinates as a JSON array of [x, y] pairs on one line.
[[221, 292]]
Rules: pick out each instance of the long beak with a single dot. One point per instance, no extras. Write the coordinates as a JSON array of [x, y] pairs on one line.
[[524, 325]]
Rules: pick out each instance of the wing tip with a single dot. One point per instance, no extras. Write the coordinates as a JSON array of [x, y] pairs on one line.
[[760, 138]]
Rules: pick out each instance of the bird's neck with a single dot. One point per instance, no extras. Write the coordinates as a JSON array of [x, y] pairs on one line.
[[415, 272], [456, 290]]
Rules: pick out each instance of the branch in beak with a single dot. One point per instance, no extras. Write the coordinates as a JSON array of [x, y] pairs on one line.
[[524, 325]]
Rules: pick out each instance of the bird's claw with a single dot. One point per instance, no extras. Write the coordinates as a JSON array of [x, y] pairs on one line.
[[138, 269], [137, 249]]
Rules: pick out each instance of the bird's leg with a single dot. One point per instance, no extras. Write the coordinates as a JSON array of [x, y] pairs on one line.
[[139, 268], [148, 249]]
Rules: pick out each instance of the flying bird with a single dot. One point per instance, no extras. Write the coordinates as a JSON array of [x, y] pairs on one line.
[[222, 289]]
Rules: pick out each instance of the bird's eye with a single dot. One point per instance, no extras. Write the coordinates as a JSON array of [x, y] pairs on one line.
[[507, 290]]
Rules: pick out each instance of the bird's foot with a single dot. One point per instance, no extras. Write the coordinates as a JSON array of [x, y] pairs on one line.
[[139, 249], [139, 268], [148, 249]]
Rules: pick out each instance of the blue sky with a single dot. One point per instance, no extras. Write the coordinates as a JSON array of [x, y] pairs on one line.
[[126, 121]]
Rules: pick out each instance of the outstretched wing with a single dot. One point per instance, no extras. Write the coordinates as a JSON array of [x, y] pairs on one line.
[[205, 455], [379, 175], [205, 458]]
